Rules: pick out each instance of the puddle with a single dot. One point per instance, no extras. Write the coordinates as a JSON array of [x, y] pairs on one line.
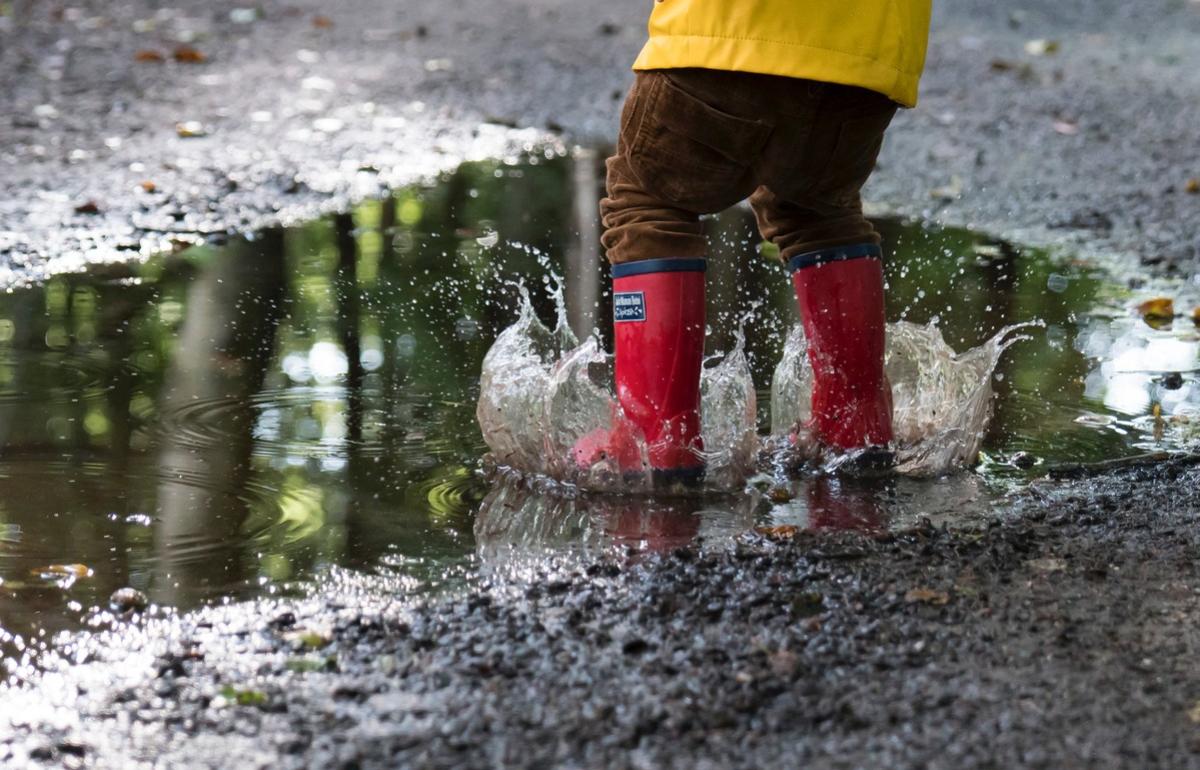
[[227, 422]]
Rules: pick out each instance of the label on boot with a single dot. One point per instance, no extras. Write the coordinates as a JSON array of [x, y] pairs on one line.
[[629, 306]]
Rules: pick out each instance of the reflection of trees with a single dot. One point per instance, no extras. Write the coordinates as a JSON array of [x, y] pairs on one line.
[[349, 321], [66, 487], [117, 309], [349, 329], [437, 305], [582, 271], [225, 344], [21, 313], [409, 272]]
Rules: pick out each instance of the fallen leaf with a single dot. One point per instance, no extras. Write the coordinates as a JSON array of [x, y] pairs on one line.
[[1158, 312], [62, 570], [186, 54], [1042, 47], [243, 697], [1023, 70], [148, 186], [781, 532], [1066, 127], [322, 22], [1048, 564], [926, 596], [149, 55], [1196, 316], [89, 207], [190, 128], [1192, 185]]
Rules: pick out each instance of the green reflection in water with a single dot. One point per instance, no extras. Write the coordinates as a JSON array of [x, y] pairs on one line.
[[221, 420]]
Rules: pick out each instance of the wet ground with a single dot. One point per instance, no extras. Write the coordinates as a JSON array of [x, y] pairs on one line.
[[1084, 137], [227, 423], [1063, 638]]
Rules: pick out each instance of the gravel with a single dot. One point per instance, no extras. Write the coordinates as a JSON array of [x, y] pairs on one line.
[[1060, 636]]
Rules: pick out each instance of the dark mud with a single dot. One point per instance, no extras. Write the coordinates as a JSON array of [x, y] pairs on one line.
[[1061, 637], [308, 105]]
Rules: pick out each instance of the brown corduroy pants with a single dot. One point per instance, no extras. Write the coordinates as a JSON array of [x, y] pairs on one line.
[[697, 141]]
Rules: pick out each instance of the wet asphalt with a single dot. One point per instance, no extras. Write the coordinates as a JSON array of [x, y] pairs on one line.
[[1088, 138], [1063, 635]]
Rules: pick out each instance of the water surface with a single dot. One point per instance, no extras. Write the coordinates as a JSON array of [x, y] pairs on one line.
[[227, 421]]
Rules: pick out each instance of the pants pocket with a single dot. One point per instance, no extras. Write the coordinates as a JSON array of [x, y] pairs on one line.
[[855, 150], [689, 153]]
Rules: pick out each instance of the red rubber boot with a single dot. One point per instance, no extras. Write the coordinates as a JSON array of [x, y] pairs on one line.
[[840, 291], [658, 327]]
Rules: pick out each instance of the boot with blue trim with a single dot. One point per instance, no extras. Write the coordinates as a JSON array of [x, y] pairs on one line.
[[658, 332], [840, 292]]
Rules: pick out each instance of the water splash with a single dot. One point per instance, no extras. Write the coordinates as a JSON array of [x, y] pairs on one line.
[[728, 408], [541, 391], [942, 400], [515, 379]]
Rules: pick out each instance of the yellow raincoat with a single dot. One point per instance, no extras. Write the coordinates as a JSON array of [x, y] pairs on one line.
[[875, 44]]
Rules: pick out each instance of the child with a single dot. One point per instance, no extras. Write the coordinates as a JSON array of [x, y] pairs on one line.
[[784, 101]]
